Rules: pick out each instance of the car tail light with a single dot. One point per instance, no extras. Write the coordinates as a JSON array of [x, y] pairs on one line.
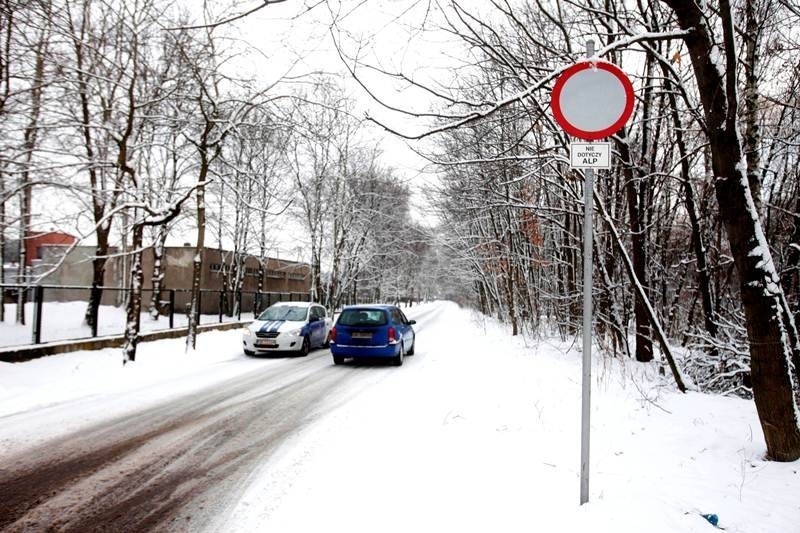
[[392, 335], [333, 334]]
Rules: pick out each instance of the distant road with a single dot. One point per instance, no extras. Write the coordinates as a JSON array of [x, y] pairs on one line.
[[176, 465]]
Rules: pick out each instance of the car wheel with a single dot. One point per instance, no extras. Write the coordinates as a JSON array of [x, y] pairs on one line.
[[249, 352], [305, 348], [398, 359], [413, 347], [338, 360]]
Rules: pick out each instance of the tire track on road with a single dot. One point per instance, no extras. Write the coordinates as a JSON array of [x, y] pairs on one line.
[[135, 473], [178, 464]]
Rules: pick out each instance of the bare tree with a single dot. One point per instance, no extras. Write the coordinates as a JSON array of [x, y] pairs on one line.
[[517, 51], [771, 330]]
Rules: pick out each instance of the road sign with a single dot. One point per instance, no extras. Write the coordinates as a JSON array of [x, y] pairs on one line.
[[590, 155], [592, 99]]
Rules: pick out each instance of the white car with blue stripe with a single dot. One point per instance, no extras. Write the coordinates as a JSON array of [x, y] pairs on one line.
[[288, 326]]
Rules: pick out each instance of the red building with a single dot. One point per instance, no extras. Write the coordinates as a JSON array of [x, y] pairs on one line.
[[35, 239]]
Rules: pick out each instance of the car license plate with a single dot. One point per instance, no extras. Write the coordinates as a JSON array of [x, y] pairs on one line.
[[267, 344], [362, 335]]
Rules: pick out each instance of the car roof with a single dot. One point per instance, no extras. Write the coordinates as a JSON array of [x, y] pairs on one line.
[[381, 307], [295, 304]]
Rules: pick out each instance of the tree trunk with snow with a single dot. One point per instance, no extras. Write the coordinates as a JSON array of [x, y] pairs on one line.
[[197, 261], [771, 351], [158, 271], [94, 91], [134, 303], [752, 132], [98, 275]]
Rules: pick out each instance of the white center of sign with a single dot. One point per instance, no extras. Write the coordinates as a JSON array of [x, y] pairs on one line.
[[593, 99]]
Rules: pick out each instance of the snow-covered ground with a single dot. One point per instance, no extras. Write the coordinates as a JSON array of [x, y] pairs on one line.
[[64, 321], [477, 432]]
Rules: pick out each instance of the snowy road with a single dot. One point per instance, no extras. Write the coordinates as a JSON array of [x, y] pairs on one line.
[[175, 464], [477, 432]]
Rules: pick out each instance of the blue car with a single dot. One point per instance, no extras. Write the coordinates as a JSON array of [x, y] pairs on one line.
[[372, 331]]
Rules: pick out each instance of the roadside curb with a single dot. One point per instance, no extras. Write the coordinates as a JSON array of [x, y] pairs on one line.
[[20, 354]]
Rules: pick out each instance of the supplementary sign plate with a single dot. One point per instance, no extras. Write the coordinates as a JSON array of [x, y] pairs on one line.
[[590, 155]]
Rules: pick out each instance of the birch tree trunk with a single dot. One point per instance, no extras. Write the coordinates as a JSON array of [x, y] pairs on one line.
[[197, 260], [158, 271], [134, 303]]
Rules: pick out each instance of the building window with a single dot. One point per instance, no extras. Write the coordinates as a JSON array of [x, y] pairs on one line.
[[274, 274], [297, 277], [217, 267], [250, 271]]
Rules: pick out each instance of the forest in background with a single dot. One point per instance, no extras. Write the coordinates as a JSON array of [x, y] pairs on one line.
[[697, 242]]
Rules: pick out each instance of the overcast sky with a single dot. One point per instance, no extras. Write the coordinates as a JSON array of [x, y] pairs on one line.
[[398, 35], [299, 37]]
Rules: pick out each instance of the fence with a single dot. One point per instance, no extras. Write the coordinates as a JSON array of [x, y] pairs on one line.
[[56, 312]]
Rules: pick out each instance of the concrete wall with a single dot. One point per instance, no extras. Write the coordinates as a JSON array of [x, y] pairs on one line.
[[76, 269]]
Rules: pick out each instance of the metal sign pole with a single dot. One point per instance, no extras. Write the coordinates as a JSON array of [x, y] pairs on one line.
[[588, 190], [586, 385]]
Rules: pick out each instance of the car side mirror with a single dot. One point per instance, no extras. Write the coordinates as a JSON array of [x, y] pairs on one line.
[[412, 322]]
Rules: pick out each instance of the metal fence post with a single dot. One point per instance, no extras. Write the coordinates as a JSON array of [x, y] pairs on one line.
[[171, 308], [95, 314], [239, 298], [38, 299], [199, 305], [221, 305]]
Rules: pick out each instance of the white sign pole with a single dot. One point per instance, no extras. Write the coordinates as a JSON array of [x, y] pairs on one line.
[[588, 204]]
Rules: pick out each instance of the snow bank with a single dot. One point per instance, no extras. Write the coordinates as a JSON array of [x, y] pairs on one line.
[[64, 321]]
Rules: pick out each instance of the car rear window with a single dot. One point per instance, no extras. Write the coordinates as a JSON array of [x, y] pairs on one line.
[[362, 317]]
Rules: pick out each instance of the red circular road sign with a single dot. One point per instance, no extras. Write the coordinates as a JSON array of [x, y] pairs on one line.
[[592, 99]]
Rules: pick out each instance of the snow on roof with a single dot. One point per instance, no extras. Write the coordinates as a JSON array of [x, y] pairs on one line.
[[295, 304], [370, 306]]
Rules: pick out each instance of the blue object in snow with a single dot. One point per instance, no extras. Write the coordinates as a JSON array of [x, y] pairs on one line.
[[712, 519]]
